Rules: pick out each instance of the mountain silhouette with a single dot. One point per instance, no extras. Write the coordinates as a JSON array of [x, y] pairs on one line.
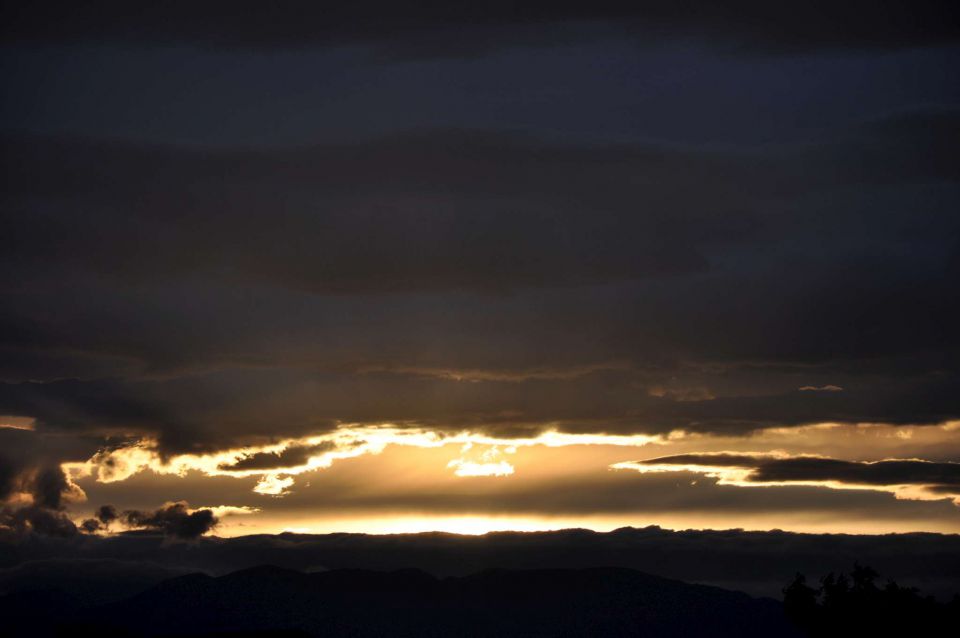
[[359, 603]]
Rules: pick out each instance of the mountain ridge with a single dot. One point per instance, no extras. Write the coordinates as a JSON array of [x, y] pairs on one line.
[[608, 601]]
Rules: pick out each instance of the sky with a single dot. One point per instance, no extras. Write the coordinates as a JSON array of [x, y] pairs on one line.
[[377, 268]]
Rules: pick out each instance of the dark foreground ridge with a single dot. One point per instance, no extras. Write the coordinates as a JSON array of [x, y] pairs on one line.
[[497, 603]]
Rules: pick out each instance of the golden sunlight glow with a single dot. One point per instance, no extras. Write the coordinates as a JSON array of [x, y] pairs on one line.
[[273, 485], [479, 524], [489, 463], [221, 511], [473, 525], [343, 443], [395, 480], [472, 468]]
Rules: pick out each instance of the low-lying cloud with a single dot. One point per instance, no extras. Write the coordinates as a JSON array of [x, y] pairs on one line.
[[906, 478], [173, 519]]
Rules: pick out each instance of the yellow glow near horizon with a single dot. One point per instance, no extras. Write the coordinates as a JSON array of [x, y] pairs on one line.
[[396, 480], [479, 524]]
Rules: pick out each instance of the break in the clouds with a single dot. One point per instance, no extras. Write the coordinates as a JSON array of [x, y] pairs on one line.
[[288, 261]]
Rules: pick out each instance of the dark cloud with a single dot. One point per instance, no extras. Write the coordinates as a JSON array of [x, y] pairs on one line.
[[493, 280], [618, 403], [47, 486], [292, 456], [430, 29], [103, 407], [106, 514], [428, 212], [210, 298], [75, 404], [34, 490], [32, 519], [476, 212], [29, 462], [90, 525], [875, 473], [174, 520], [221, 248], [231, 225], [888, 472], [102, 518], [8, 479]]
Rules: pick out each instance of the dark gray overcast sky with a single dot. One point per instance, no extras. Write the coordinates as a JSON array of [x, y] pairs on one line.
[[228, 226]]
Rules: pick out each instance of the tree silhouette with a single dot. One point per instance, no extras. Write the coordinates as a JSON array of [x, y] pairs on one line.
[[855, 606], [800, 603]]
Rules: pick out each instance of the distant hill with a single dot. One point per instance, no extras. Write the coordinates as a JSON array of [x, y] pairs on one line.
[[359, 603], [759, 563], [85, 582]]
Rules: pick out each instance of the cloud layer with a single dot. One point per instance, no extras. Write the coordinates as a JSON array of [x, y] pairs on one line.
[[908, 478], [418, 279], [294, 262]]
